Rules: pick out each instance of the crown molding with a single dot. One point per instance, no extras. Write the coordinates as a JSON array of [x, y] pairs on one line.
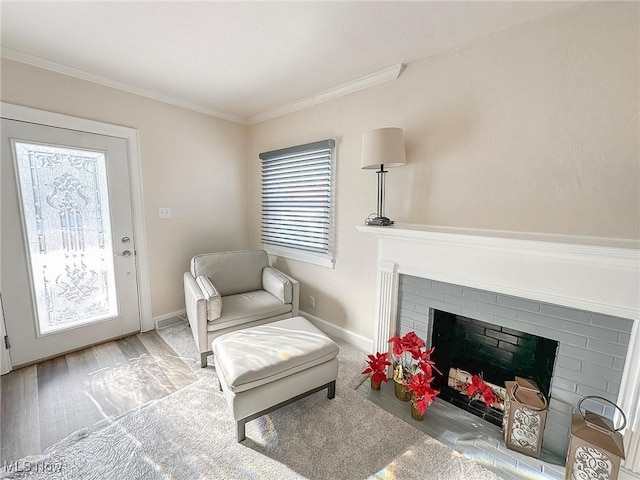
[[40, 62], [376, 78]]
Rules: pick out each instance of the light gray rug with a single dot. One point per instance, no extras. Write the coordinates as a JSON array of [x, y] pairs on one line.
[[190, 435]]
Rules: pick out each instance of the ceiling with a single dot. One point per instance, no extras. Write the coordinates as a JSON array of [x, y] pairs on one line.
[[245, 61]]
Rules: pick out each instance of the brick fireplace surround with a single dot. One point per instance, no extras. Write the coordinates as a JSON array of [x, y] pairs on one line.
[[569, 289]]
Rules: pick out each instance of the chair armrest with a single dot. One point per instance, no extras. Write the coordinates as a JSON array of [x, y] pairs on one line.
[[212, 296], [281, 286], [196, 307]]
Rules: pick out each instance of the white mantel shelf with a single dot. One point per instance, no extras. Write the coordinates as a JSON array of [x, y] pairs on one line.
[[589, 273], [599, 275], [408, 230]]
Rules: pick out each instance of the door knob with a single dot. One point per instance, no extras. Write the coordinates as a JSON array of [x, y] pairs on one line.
[[126, 253]]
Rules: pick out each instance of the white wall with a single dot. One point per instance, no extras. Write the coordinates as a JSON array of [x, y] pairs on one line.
[[191, 162], [533, 129]]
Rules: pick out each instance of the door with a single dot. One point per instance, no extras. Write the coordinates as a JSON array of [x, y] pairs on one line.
[[68, 275]]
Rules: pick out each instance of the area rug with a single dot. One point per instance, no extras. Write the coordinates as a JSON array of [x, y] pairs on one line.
[[190, 434]]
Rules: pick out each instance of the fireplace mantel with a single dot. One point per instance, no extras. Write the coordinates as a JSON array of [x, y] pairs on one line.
[[599, 275]]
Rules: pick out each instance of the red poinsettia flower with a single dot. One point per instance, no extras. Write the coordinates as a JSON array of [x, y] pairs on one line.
[[419, 384], [426, 364], [398, 348], [413, 344], [423, 394], [423, 402], [479, 387], [378, 367]]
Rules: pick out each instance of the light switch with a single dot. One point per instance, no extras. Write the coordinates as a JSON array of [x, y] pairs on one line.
[[164, 212]]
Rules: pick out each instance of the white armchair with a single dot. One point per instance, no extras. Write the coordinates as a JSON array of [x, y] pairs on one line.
[[233, 290]]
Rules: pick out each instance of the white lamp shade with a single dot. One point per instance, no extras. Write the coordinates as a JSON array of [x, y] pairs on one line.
[[383, 146]]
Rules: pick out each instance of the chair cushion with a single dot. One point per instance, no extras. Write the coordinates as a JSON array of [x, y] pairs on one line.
[[256, 356], [232, 272], [247, 307]]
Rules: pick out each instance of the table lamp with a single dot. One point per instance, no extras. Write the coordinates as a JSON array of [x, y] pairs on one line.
[[382, 147]]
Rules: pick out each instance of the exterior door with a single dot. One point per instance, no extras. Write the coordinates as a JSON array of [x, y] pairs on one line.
[[68, 265]]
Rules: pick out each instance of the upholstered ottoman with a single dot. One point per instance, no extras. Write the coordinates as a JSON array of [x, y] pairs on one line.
[[266, 367]]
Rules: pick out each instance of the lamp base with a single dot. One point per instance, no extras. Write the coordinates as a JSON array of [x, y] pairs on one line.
[[379, 221]]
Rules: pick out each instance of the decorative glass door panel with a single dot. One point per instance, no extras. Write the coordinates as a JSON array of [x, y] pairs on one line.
[[68, 259], [65, 208]]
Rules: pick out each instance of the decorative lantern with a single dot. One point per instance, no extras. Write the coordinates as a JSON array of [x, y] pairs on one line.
[[596, 448], [525, 414]]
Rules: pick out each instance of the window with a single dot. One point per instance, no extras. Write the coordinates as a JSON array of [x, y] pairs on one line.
[[297, 202]]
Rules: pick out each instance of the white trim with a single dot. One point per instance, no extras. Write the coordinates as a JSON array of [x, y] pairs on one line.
[[299, 255], [376, 78], [42, 117], [576, 273], [40, 62], [177, 313], [363, 343]]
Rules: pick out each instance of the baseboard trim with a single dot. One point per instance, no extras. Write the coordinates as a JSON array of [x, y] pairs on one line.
[[170, 318], [329, 328]]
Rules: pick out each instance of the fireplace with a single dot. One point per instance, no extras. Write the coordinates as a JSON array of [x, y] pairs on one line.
[[494, 353], [570, 353], [570, 283]]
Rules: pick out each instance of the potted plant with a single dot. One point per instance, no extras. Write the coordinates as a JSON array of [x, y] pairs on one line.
[[409, 358], [377, 369], [422, 394]]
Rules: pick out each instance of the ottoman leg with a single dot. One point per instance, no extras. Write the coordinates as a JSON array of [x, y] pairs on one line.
[[203, 360], [331, 390], [240, 436]]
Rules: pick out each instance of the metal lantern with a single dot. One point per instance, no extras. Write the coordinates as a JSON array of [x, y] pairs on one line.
[[596, 448], [525, 414]]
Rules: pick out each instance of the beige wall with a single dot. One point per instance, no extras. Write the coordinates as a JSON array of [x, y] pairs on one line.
[[191, 162], [534, 129]]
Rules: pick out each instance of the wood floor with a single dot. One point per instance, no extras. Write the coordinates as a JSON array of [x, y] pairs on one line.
[[44, 403]]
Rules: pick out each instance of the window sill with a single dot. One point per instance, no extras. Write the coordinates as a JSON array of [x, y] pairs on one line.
[[300, 256]]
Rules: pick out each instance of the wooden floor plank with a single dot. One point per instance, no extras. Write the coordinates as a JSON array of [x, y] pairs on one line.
[[87, 411], [44, 403], [19, 428], [178, 373], [106, 386], [108, 355], [147, 380], [54, 387]]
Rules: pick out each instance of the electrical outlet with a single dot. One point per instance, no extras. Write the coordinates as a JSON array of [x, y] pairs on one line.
[[164, 212], [312, 301]]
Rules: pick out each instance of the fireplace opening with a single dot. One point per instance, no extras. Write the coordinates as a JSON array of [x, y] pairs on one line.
[[465, 347]]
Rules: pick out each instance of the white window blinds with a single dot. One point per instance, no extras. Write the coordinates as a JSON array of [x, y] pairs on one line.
[[297, 198]]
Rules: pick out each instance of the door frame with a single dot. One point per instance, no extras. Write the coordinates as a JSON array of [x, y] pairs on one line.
[[130, 135]]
